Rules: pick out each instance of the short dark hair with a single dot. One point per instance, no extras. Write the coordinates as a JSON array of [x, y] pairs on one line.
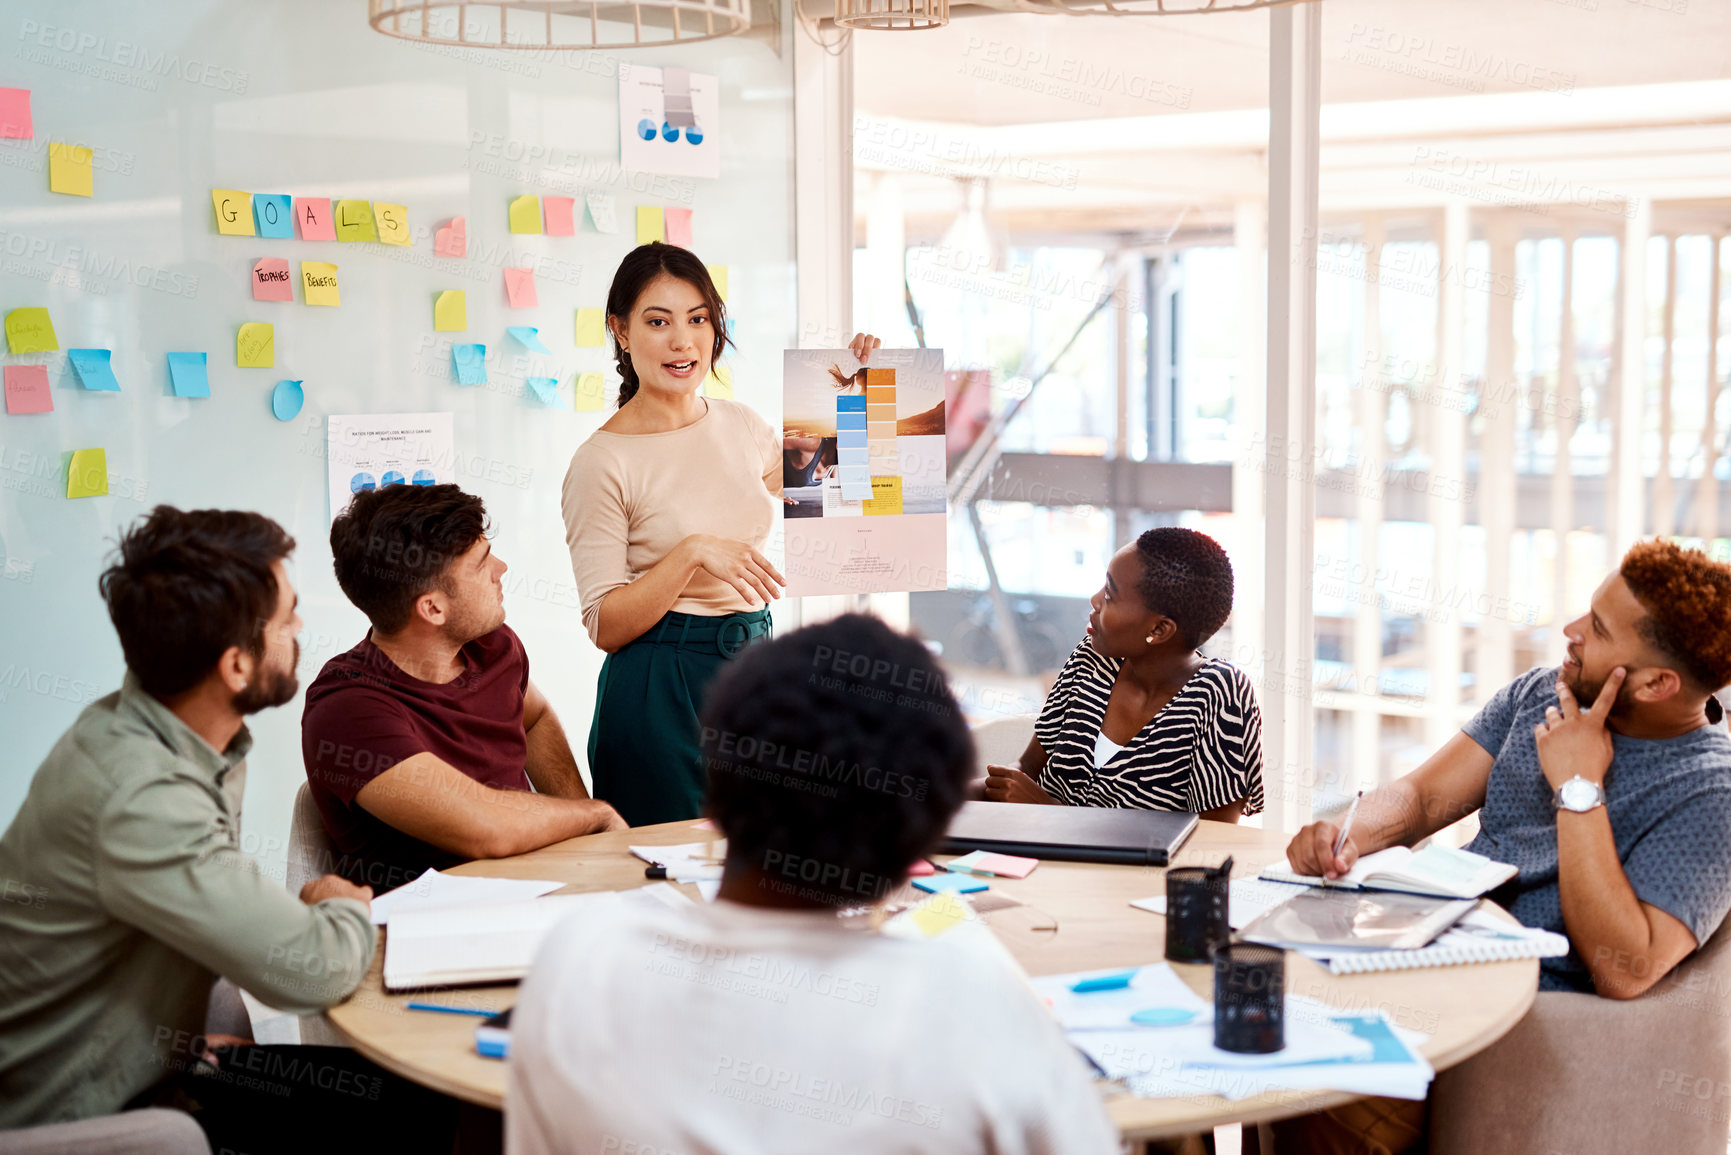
[[1187, 577], [1687, 596], [188, 584], [641, 266], [837, 757], [392, 545]]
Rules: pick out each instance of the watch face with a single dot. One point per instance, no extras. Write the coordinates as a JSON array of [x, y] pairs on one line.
[[1579, 794]]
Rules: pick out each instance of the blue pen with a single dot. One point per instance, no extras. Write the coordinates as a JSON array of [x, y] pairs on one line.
[[443, 1009]]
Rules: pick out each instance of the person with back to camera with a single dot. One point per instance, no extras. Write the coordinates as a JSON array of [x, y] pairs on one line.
[[668, 509]]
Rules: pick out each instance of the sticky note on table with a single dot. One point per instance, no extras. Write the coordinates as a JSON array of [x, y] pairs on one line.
[[529, 337], [719, 383], [255, 346], [69, 169], [547, 389], [679, 227], [718, 274], [355, 221], [393, 221], [451, 311], [526, 214], [313, 216], [233, 212], [591, 328], [15, 122], [590, 390], [87, 475], [938, 914], [286, 399], [188, 375], [602, 213], [94, 369], [471, 362], [986, 862], [272, 280], [273, 215], [559, 212], [1113, 981], [452, 239], [29, 330], [319, 283], [650, 226], [949, 883], [520, 288], [27, 390]]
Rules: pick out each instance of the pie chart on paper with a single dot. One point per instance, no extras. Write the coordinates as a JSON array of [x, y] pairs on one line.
[[391, 477], [646, 129], [361, 482]]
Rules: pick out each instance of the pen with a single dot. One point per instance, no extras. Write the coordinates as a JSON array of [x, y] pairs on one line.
[[443, 1009], [1346, 827]]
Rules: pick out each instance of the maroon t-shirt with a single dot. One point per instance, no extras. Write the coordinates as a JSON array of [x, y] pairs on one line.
[[364, 715]]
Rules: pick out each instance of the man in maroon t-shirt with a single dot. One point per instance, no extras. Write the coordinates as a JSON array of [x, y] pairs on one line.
[[422, 742]]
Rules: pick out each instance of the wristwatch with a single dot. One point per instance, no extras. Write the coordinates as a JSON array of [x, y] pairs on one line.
[[1579, 795]]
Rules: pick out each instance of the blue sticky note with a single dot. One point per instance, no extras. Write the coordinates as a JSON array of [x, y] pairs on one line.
[[953, 883], [471, 361], [528, 336], [93, 369], [273, 215], [547, 389], [187, 372], [1162, 1017], [1115, 981], [286, 400]]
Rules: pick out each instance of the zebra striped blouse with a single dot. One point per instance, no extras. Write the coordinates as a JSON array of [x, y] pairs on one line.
[[1202, 750]]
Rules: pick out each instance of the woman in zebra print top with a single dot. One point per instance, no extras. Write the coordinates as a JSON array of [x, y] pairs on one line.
[[1138, 718]]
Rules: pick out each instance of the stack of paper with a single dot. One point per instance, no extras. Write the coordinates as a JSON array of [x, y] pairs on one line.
[[1246, 899], [433, 889]]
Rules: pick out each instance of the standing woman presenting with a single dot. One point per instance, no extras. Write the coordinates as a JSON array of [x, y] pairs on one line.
[[668, 507]]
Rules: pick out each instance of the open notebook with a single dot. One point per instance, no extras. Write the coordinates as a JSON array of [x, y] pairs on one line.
[[1439, 870]]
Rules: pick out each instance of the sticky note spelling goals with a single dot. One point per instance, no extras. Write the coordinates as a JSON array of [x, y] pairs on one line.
[[15, 123], [355, 221], [526, 214], [29, 330], [272, 281], [69, 170], [451, 311], [313, 218], [273, 216], [27, 389], [233, 212], [319, 283], [87, 475], [255, 346], [393, 223], [186, 372], [520, 288], [94, 369], [650, 226]]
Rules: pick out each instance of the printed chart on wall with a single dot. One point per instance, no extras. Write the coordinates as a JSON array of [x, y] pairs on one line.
[[668, 121], [371, 450], [863, 471]]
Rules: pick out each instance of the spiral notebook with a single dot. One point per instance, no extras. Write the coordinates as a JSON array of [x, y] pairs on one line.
[[1477, 938]]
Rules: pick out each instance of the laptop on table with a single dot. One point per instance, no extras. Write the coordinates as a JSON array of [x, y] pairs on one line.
[[1069, 833]]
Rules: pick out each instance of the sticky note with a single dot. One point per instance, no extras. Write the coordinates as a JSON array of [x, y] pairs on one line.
[[719, 383], [273, 215], [94, 369], [233, 212], [69, 169], [939, 914], [950, 883], [526, 215], [272, 281], [589, 391], [718, 274], [319, 283], [985, 862], [886, 498], [591, 328], [29, 330], [186, 371], [255, 346], [649, 224], [355, 221], [313, 217], [27, 389], [87, 476], [679, 227], [15, 123], [558, 211], [529, 337], [286, 399], [520, 288], [921, 869], [451, 311], [393, 223], [471, 362], [547, 389], [1116, 981], [601, 212], [452, 239]]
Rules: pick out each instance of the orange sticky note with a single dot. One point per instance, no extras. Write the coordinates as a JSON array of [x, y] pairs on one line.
[[313, 217], [272, 281], [27, 389], [452, 240], [15, 123], [520, 288], [679, 227], [558, 211]]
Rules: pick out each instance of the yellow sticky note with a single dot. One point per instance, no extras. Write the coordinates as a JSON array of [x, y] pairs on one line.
[[719, 383], [233, 212], [393, 223], [886, 497], [718, 274], [650, 225], [938, 914], [355, 221], [30, 330], [526, 215], [589, 392], [319, 283], [451, 311], [255, 346], [69, 170], [87, 476], [591, 328]]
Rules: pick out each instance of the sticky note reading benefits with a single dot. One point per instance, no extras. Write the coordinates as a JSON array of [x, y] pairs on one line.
[[451, 311], [255, 346], [319, 283], [69, 170], [233, 212]]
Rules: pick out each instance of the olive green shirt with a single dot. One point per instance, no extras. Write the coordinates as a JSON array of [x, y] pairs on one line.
[[123, 894]]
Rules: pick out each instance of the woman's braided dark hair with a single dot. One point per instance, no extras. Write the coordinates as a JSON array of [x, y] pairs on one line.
[[641, 266]]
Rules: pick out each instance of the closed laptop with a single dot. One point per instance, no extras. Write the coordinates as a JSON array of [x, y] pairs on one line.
[[1072, 833]]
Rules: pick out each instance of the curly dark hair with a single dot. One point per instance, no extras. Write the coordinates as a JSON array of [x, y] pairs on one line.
[[1687, 596], [1187, 577], [642, 265], [837, 756], [392, 545], [188, 584]]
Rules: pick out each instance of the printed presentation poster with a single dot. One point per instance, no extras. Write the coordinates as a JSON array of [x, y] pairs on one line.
[[863, 472], [668, 119], [370, 450]]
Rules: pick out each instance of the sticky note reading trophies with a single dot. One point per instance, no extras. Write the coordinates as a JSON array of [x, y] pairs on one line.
[[255, 346], [233, 212], [526, 215], [272, 281], [450, 311], [319, 283]]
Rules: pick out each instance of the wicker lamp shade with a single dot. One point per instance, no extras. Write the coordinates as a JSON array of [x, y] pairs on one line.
[[558, 24]]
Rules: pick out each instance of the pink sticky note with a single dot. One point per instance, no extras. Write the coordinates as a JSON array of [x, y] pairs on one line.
[[15, 123], [520, 288], [452, 240], [313, 218], [27, 389], [272, 281], [557, 212], [1006, 865], [679, 227], [921, 868]]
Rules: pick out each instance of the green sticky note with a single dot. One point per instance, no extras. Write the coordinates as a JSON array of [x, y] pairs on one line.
[[30, 331], [355, 221], [87, 476]]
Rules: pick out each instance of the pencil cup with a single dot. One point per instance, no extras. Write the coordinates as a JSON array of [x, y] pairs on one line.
[[1196, 913], [1249, 998]]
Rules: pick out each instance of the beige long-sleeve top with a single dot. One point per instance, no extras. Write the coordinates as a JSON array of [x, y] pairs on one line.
[[629, 498]]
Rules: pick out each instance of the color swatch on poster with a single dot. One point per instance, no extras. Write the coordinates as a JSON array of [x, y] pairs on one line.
[[188, 374], [526, 215], [452, 239], [313, 218], [255, 346], [273, 215], [520, 288], [471, 363], [650, 225], [69, 169], [319, 283], [591, 328], [286, 400], [882, 456], [355, 221], [393, 223], [451, 311], [233, 212], [87, 475], [272, 280], [589, 392], [94, 368], [15, 121], [558, 213], [30, 330], [27, 389], [851, 451]]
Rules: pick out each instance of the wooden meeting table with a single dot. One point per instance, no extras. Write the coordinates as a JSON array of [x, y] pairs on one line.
[[1073, 916]]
